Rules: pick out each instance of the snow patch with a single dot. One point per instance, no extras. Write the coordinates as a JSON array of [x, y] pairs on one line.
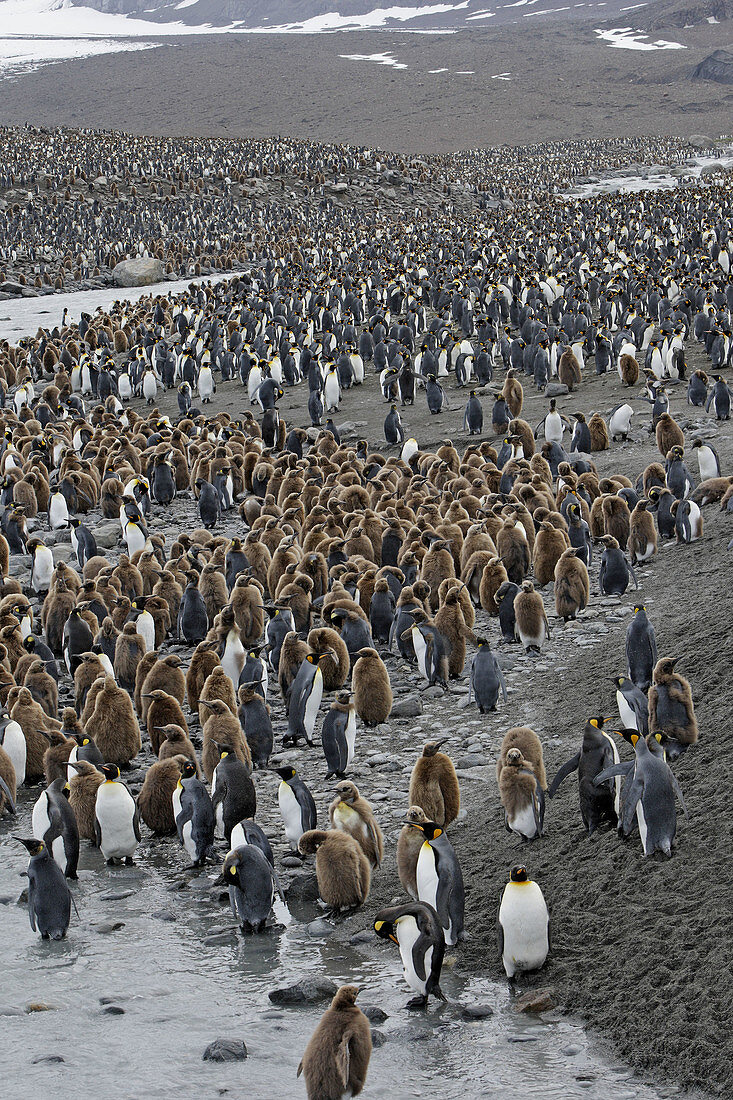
[[377, 58], [624, 38], [25, 55], [379, 17]]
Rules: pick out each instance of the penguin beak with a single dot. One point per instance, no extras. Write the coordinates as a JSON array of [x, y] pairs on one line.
[[443, 742], [206, 703]]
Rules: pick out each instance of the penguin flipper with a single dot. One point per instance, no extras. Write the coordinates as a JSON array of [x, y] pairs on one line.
[[678, 791], [97, 832], [625, 767], [502, 682], [631, 798], [569, 766], [6, 791], [183, 818], [31, 911]]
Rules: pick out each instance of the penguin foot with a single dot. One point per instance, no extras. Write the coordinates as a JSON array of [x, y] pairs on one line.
[[417, 1003], [129, 861]]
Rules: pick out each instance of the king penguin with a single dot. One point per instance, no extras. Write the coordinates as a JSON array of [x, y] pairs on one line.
[[54, 823], [49, 897], [416, 930], [194, 814], [439, 880], [524, 924], [297, 805], [117, 820]]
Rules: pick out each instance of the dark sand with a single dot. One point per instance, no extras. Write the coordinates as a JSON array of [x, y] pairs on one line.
[[565, 84]]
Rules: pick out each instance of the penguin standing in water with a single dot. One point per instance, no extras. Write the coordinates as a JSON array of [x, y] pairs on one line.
[[54, 822], [233, 793], [338, 736], [194, 815], [524, 924], [416, 930], [440, 880], [597, 752], [251, 882], [49, 897], [641, 648], [297, 805], [336, 1059], [486, 679], [117, 820]]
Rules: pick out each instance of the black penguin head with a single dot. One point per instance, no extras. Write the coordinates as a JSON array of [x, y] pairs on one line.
[[188, 770], [518, 873], [430, 829], [35, 847], [110, 772], [385, 930], [597, 722], [286, 773]]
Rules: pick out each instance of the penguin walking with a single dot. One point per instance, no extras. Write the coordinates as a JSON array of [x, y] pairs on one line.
[[297, 805], [418, 933], [597, 752], [532, 626], [336, 1059], [54, 822], [194, 815], [524, 924], [338, 736], [435, 395], [117, 820], [254, 718], [719, 399], [251, 882], [486, 679], [206, 384], [440, 880], [49, 897]]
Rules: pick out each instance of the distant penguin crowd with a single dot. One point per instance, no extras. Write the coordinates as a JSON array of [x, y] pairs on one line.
[[312, 556]]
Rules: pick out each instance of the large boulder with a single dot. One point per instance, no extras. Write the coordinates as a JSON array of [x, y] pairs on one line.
[[716, 66], [138, 272]]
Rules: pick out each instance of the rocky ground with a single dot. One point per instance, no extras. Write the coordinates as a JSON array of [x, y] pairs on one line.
[[639, 946], [563, 83]]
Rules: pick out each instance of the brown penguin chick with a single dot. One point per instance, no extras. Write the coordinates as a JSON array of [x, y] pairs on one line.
[[91, 700], [572, 585], [249, 615], [121, 611], [450, 622], [513, 393], [64, 572], [518, 790], [128, 577], [89, 669], [315, 566], [213, 588], [549, 547], [24, 494], [599, 440], [595, 518], [56, 609], [217, 686], [568, 370], [532, 626], [513, 549], [165, 675], [436, 566], [145, 664], [293, 652], [712, 490], [111, 499], [616, 519], [669, 434], [296, 596], [168, 589], [162, 710], [671, 710], [286, 553], [4, 556], [409, 843], [93, 567], [353, 815], [434, 785], [642, 543], [42, 687], [335, 663], [129, 652], [113, 725], [155, 801], [205, 659], [477, 538], [107, 638], [32, 719], [524, 434], [464, 598], [56, 756], [342, 869], [628, 369], [174, 741], [371, 687], [336, 1059], [8, 776], [493, 575], [83, 784], [222, 730], [654, 474], [526, 741]]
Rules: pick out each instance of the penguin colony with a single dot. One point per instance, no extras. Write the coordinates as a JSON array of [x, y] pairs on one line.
[[309, 561]]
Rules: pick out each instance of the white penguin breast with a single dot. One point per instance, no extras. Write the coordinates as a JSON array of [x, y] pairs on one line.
[[523, 822], [115, 809], [427, 876], [524, 919], [408, 934], [290, 810]]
